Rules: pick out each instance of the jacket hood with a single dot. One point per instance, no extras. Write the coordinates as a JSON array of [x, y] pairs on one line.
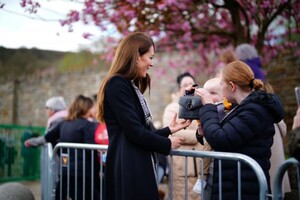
[[269, 101], [255, 64]]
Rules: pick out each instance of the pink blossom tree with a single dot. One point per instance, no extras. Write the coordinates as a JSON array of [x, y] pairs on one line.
[[205, 27]]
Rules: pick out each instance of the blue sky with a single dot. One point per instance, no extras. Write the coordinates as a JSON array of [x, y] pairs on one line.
[[20, 29]]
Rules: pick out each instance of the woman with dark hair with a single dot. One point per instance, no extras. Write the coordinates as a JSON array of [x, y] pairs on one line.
[[130, 171], [190, 143], [247, 129]]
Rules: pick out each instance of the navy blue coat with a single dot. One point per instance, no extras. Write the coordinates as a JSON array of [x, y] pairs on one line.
[[129, 171], [248, 129], [77, 131]]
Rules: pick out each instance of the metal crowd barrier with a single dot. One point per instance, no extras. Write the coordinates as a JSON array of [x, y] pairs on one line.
[[76, 146], [46, 155], [218, 156], [292, 162]]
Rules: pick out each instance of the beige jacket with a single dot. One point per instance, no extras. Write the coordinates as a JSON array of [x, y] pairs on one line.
[[278, 156], [296, 122], [190, 143]]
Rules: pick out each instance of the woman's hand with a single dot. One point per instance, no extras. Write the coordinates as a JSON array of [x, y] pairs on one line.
[[205, 96], [176, 126], [27, 143], [189, 90], [176, 142]]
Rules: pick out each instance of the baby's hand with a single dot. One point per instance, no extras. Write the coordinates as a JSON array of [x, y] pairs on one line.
[[205, 96]]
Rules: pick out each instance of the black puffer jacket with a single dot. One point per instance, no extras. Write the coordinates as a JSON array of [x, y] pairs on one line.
[[247, 129]]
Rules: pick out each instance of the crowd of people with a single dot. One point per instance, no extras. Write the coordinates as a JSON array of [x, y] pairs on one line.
[[240, 114]]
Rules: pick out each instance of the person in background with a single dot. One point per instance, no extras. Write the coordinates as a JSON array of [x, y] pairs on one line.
[[296, 119], [101, 136], [30, 165], [294, 137], [56, 111], [190, 143], [226, 57], [214, 88], [76, 128], [130, 171], [247, 129], [277, 149], [248, 54]]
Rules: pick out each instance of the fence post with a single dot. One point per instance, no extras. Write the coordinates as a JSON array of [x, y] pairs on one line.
[[277, 190]]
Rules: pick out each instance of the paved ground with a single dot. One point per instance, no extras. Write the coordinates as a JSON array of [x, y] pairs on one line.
[[35, 187]]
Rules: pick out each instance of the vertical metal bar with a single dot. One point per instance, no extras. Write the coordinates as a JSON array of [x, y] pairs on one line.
[[277, 188], [68, 175], [92, 176], [185, 178], [202, 174], [171, 177], [239, 180], [61, 174], [101, 174], [76, 174], [220, 180], [298, 177], [83, 172]]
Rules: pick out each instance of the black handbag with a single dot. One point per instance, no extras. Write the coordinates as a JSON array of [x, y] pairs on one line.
[[189, 107]]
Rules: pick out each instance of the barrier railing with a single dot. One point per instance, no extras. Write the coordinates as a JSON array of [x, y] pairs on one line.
[[277, 190], [64, 163], [239, 158], [46, 170]]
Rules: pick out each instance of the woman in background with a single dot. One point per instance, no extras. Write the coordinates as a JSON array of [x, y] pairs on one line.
[[190, 143], [277, 149], [76, 128]]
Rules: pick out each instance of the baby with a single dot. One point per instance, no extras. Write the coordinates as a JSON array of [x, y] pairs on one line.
[[214, 88]]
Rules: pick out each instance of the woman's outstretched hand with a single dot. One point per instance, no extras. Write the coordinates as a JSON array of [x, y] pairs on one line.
[[176, 126], [176, 142]]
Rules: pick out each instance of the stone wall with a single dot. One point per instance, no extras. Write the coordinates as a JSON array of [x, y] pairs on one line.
[[23, 101], [284, 76]]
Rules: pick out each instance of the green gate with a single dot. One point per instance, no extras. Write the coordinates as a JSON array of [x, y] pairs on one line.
[[16, 161]]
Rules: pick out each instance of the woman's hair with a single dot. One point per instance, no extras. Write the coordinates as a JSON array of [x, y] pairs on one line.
[[124, 64], [267, 87], [241, 74], [246, 51], [79, 107], [228, 56], [181, 76]]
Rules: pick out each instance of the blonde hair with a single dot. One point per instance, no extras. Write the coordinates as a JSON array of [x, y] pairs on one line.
[[228, 57], [79, 107], [241, 74], [267, 87], [124, 64]]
